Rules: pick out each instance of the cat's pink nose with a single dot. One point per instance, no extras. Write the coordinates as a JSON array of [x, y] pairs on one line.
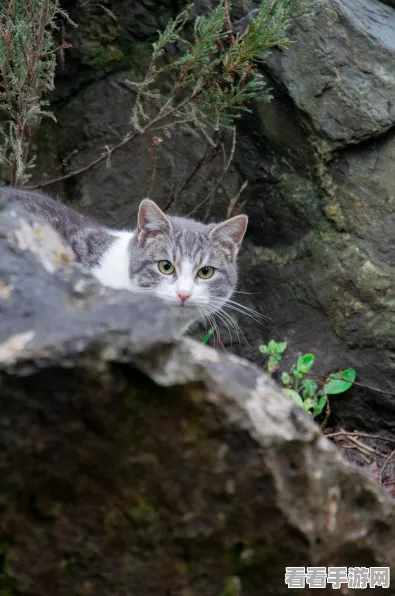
[[183, 296]]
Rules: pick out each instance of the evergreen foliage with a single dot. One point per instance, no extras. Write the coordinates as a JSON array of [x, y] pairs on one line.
[[27, 71], [203, 73], [216, 69]]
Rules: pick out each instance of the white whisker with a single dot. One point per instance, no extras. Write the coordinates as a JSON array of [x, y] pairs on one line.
[[235, 325], [226, 318], [247, 293], [246, 308]]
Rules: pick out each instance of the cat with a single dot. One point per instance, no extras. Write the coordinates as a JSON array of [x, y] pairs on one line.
[[190, 265]]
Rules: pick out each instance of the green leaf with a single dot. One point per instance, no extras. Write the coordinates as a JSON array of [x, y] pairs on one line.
[[274, 349], [208, 335], [308, 404], [295, 396], [281, 347], [305, 363], [272, 365], [339, 382], [309, 388], [320, 405], [272, 345], [286, 378], [298, 375], [264, 349]]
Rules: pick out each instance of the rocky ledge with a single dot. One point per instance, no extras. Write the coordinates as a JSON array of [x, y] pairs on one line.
[[137, 462]]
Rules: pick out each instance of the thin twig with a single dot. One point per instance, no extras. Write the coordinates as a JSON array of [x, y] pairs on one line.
[[233, 202], [173, 177], [89, 4], [365, 448], [327, 413], [386, 462], [162, 115], [216, 185], [358, 434], [229, 22], [174, 200], [156, 141], [86, 168], [366, 458]]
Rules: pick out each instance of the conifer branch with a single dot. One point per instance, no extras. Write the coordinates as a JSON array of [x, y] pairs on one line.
[[215, 76], [27, 70]]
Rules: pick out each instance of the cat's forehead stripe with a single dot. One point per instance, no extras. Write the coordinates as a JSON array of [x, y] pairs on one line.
[[195, 245]]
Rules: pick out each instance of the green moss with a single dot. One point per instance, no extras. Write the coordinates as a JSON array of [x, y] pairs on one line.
[[95, 54], [142, 512], [231, 587], [139, 52], [115, 53], [333, 212]]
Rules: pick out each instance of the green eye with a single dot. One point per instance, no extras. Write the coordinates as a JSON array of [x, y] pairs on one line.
[[165, 267], [206, 272]]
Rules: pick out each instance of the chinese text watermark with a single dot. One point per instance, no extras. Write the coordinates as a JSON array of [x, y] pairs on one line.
[[336, 577]]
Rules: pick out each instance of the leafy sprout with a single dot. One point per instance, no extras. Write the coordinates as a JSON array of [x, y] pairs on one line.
[[307, 390]]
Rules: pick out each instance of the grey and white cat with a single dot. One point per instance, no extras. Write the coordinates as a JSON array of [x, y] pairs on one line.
[[190, 265]]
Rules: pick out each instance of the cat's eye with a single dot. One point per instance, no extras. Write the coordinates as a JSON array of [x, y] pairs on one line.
[[206, 272], [166, 267]]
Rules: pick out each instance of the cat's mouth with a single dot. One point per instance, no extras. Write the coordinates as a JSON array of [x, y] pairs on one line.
[[183, 306]]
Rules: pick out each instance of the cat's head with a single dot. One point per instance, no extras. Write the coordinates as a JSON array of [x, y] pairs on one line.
[[190, 265]]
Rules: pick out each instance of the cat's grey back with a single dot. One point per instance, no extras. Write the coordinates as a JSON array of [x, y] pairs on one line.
[[87, 238]]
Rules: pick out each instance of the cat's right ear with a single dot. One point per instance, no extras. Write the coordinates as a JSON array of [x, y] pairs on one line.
[[152, 219]]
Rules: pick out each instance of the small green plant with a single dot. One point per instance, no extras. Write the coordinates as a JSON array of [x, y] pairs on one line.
[[308, 390]]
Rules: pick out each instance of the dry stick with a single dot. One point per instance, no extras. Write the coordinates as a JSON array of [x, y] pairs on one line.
[[232, 203], [365, 448], [210, 202], [86, 168], [216, 185], [360, 434], [366, 458], [228, 21], [127, 139], [65, 161], [327, 414], [173, 177], [153, 174], [387, 460], [87, 5], [156, 141], [202, 161]]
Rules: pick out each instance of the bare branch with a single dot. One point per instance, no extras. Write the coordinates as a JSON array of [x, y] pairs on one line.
[[232, 204], [212, 192], [207, 157]]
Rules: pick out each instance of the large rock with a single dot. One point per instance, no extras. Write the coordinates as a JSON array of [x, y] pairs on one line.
[[324, 218], [319, 256], [135, 462], [340, 71]]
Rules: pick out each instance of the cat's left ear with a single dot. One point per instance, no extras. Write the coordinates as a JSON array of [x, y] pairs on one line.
[[232, 230], [152, 219]]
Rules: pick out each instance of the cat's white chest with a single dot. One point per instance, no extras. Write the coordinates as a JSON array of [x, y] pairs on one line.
[[113, 269]]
